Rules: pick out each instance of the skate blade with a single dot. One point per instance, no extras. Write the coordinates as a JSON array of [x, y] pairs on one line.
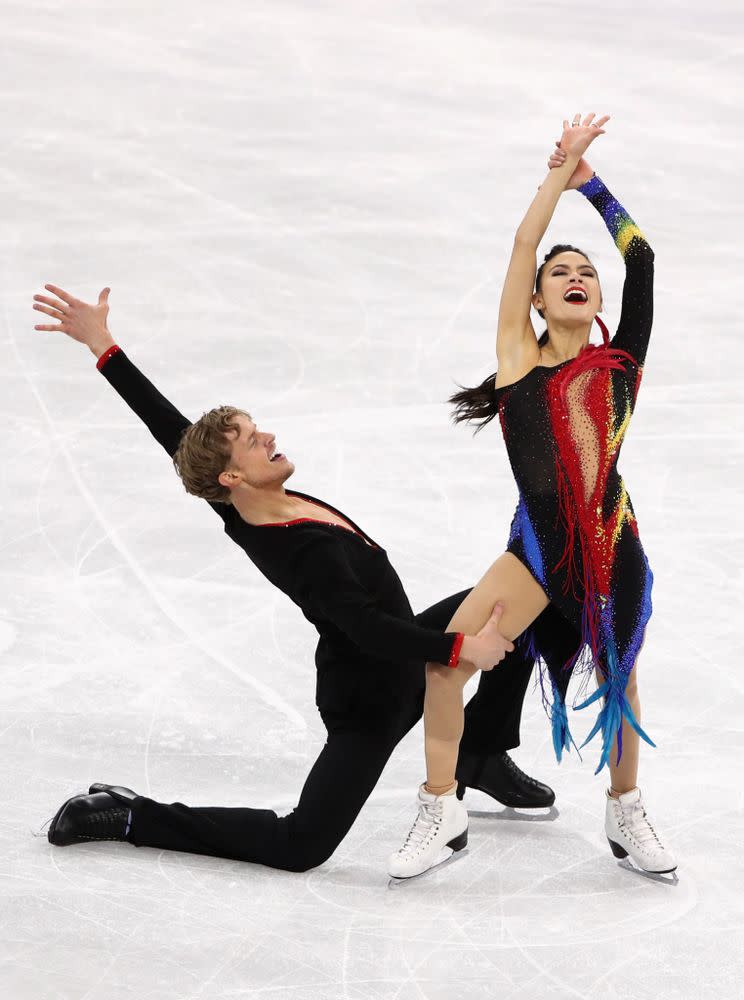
[[546, 814], [446, 859], [43, 830], [666, 878]]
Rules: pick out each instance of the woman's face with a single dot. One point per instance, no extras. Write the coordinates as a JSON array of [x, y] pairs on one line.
[[569, 290]]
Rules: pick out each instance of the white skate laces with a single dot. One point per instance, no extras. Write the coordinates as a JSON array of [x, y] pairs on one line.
[[630, 833], [440, 829], [424, 827], [637, 823]]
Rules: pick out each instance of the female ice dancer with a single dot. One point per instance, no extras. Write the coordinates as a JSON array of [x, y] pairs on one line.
[[564, 407]]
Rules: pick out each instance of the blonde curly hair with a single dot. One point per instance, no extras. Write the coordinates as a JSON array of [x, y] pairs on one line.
[[204, 452]]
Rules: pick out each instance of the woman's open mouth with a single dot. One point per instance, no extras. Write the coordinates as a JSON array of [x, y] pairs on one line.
[[576, 296]]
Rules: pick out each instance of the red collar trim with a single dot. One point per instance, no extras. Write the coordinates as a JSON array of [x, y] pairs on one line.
[[317, 520]]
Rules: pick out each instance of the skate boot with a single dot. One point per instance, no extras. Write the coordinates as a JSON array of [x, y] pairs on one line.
[[440, 829], [630, 834], [84, 818], [498, 776]]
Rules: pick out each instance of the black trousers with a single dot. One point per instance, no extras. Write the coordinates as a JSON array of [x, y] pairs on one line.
[[342, 778]]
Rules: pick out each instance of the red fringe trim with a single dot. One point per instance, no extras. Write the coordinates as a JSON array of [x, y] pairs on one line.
[[575, 513], [605, 331]]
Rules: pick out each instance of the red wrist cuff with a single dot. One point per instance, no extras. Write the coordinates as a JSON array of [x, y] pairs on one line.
[[456, 647], [108, 354]]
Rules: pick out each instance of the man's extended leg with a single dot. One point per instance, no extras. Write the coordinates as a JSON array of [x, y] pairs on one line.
[[337, 787]]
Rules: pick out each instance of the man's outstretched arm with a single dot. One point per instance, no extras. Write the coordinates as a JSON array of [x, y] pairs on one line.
[[87, 324], [162, 419]]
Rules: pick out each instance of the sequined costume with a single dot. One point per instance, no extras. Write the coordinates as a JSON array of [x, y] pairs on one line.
[[574, 526]]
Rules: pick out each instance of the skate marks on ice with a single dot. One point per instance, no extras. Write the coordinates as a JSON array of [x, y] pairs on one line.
[[502, 915], [664, 878], [8, 635], [516, 887]]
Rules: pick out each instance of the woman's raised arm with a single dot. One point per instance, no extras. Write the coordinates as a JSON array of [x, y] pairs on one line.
[[637, 314], [515, 337]]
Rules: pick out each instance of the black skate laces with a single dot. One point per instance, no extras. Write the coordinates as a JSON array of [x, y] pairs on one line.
[[519, 773], [106, 824]]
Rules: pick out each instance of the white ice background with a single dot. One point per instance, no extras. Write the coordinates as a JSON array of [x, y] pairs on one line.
[[306, 209]]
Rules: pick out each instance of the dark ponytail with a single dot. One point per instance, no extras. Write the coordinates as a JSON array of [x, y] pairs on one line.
[[475, 405], [478, 405]]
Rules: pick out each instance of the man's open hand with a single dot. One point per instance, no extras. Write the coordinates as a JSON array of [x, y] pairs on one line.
[[81, 321]]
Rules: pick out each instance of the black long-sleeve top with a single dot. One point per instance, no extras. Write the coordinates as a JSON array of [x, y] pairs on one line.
[[343, 582]]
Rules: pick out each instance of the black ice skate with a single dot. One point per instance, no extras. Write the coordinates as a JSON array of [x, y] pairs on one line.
[[498, 776], [85, 818]]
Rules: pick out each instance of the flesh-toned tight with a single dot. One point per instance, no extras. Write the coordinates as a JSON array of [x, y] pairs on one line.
[[510, 583]]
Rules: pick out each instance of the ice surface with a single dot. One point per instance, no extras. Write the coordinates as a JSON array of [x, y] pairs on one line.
[[306, 209]]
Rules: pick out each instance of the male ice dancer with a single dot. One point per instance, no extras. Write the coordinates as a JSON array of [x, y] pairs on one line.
[[370, 655]]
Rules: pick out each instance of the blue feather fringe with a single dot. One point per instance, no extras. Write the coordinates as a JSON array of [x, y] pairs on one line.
[[562, 739]]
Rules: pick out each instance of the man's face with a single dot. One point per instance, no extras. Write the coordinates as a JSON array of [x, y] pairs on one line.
[[255, 459]]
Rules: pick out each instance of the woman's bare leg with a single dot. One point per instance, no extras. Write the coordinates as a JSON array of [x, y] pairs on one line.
[[624, 776], [509, 582], [628, 829]]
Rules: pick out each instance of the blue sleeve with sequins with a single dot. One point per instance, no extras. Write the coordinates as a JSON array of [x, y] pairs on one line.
[[636, 317]]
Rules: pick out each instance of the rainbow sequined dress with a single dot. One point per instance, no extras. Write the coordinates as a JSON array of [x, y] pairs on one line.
[[574, 527]]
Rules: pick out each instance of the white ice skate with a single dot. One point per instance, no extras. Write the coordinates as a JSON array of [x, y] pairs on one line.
[[630, 834], [440, 829]]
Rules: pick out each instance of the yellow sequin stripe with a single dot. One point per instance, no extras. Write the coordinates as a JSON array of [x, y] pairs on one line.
[[617, 220], [626, 234], [624, 515], [617, 437]]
